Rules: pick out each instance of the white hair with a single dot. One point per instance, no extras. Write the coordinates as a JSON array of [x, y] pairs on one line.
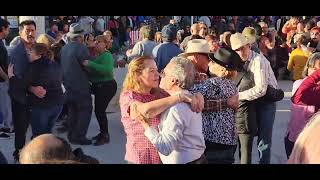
[[183, 71]]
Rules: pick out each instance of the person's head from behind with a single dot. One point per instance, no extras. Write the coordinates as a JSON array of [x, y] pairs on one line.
[[44, 148], [40, 50], [178, 74], [300, 40], [76, 33], [309, 25], [45, 39], [4, 28], [169, 33], [241, 45], [312, 64], [197, 51], [195, 28], [225, 38], [142, 75], [27, 31], [146, 32], [102, 43], [306, 149], [294, 22], [213, 42], [224, 63]]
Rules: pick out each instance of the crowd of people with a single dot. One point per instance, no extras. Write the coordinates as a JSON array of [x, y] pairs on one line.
[[191, 95]]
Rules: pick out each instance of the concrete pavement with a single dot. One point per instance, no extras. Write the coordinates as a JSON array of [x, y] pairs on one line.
[[113, 153]]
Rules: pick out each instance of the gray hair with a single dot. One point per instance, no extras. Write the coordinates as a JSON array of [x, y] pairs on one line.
[[183, 71], [147, 32], [310, 63]]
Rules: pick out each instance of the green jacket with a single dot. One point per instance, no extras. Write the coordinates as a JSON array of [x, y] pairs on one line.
[[101, 68]]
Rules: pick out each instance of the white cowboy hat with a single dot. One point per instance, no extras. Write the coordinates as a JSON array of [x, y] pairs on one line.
[[197, 46], [238, 40], [250, 34]]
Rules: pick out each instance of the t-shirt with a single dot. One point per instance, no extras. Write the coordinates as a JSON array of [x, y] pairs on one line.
[[74, 75], [164, 52]]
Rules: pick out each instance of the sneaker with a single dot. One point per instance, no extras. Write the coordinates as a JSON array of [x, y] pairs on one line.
[[4, 136]]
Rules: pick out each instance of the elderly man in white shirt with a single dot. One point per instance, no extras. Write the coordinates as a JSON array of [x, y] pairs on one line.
[[180, 139], [263, 76]]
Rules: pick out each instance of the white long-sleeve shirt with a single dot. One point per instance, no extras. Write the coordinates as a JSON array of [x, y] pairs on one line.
[[180, 139], [263, 76]]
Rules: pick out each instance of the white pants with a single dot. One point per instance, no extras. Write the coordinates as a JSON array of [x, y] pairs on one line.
[[5, 105]]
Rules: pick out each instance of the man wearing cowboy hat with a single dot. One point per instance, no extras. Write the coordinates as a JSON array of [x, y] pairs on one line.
[[219, 126], [263, 76], [77, 85], [197, 51]]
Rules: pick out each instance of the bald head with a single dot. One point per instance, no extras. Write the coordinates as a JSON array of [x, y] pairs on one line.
[[45, 147], [195, 28]]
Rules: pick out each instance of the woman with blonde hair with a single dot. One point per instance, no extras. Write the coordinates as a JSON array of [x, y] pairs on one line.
[[141, 98], [104, 87], [46, 39]]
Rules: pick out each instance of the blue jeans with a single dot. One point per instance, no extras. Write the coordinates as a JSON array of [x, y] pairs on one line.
[[219, 154], [43, 119], [266, 112]]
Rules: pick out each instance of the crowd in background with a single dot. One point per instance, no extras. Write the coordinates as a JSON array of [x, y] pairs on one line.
[[225, 67]]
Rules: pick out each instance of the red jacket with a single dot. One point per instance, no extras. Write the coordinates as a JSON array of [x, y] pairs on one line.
[[309, 91]]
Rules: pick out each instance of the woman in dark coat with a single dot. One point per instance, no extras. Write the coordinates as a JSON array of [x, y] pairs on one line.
[[44, 75]]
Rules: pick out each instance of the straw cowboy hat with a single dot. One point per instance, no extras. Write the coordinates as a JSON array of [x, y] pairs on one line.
[[197, 46], [238, 40], [75, 30], [250, 34]]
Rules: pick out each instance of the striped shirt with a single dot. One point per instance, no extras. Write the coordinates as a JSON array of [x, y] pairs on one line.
[[263, 76]]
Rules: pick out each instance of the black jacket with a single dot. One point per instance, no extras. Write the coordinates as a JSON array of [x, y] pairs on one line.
[[42, 72], [246, 122], [3, 58]]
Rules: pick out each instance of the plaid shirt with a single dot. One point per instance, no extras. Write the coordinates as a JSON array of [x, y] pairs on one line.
[[139, 150], [210, 105]]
